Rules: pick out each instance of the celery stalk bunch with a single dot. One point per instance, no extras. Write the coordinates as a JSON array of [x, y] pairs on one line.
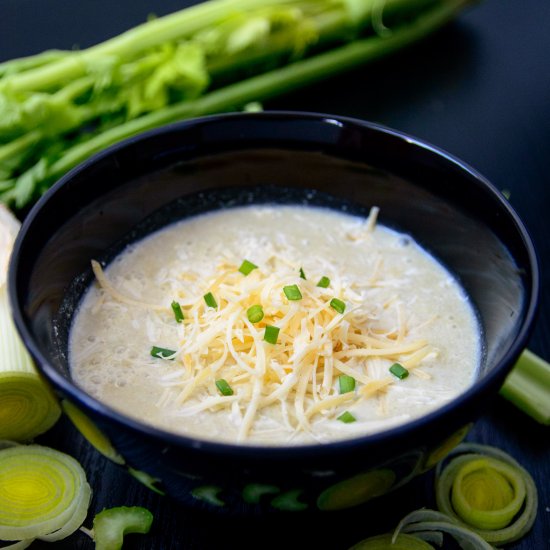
[[60, 107]]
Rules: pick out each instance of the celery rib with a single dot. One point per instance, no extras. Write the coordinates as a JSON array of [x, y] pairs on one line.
[[528, 386], [145, 79], [265, 86]]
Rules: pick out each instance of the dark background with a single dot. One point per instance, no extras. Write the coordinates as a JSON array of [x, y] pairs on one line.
[[480, 88]]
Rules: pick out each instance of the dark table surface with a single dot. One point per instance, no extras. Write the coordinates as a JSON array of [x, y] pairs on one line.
[[480, 88]]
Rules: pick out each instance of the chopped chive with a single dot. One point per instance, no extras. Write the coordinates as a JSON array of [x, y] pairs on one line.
[[399, 370], [178, 313], [210, 300], [324, 282], [247, 267], [338, 305], [346, 383], [255, 313], [302, 274], [224, 387], [292, 292], [271, 334], [346, 418], [162, 353]]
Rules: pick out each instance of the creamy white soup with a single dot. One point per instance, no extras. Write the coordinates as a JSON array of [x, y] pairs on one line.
[[275, 325]]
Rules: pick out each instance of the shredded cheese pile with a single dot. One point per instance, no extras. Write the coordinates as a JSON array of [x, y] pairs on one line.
[[316, 344]]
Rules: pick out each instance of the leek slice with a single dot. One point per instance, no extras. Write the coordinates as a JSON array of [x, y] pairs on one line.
[[43, 494], [387, 542], [27, 406], [486, 490], [423, 522]]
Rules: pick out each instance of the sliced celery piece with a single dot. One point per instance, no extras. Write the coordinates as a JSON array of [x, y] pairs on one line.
[[528, 386]]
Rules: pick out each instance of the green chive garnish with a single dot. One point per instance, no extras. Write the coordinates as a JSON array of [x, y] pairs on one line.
[[224, 387], [302, 274], [247, 267], [210, 300], [346, 418], [271, 334], [292, 292], [178, 313], [346, 383], [324, 282], [162, 353], [338, 305], [399, 370], [255, 313]]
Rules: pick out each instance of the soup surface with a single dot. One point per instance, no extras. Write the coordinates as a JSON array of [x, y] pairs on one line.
[[275, 325]]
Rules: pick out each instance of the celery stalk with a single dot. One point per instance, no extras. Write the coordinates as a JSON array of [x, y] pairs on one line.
[[262, 87], [60, 107], [176, 26], [528, 386], [112, 524]]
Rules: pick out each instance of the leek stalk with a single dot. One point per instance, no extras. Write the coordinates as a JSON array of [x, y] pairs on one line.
[[27, 406]]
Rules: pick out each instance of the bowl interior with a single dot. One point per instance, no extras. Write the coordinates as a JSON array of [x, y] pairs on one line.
[[220, 162]]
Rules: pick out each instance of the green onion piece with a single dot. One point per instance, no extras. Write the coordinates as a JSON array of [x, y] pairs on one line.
[[112, 524], [210, 300], [338, 305], [162, 353], [324, 282], [292, 292], [346, 383], [488, 491], [247, 267], [346, 418], [224, 387], [271, 334], [178, 313], [302, 274], [399, 370], [255, 313]]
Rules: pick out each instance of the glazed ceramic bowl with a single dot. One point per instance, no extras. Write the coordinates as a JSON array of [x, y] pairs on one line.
[[146, 182]]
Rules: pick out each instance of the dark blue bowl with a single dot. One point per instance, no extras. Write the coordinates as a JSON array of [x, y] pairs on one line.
[[146, 182]]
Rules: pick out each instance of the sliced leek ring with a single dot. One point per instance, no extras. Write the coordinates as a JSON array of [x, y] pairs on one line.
[[387, 542], [486, 490], [43, 494]]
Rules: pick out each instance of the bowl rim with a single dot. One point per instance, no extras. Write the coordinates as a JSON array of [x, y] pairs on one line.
[[277, 451]]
